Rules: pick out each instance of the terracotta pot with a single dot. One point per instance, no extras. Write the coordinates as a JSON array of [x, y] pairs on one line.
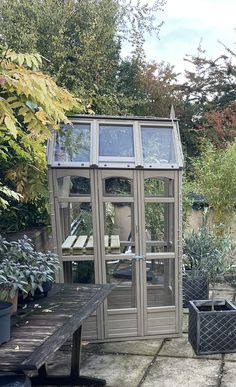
[[14, 302]]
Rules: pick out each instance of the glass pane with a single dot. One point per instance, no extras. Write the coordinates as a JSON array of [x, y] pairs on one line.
[[76, 228], [73, 185], [73, 143], [118, 186], [156, 186], [160, 282], [122, 273], [83, 272], [159, 222], [119, 228], [157, 145], [116, 141]]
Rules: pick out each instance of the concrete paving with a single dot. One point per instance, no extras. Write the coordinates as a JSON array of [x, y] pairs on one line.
[[154, 363]]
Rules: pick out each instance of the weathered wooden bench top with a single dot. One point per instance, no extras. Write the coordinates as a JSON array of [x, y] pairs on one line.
[[48, 324]]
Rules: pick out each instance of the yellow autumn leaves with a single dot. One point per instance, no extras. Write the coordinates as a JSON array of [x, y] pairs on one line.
[[30, 98]]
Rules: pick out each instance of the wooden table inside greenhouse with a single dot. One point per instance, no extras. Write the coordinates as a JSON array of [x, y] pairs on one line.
[[46, 327]]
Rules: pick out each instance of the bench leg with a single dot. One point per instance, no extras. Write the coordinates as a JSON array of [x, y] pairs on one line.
[[43, 379]]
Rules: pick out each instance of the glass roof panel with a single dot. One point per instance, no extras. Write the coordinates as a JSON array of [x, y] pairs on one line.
[[157, 145], [72, 143], [116, 141]]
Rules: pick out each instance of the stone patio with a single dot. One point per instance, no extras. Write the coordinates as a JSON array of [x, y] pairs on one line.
[[152, 363]]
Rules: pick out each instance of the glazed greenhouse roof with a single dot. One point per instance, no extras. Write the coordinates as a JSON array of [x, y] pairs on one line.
[[117, 142]]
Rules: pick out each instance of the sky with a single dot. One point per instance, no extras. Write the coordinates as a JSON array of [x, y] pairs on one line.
[[186, 22]]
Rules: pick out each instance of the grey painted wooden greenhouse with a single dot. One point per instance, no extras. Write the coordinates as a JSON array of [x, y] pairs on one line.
[[115, 192]]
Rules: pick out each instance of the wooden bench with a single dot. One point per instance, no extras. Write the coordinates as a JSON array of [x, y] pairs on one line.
[[83, 244], [46, 327]]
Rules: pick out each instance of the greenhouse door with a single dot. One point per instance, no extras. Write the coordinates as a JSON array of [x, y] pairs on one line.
[[119, 251], [138, 244], [158, 201]]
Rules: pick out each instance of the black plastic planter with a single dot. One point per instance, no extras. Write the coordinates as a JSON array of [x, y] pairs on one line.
[[5, 321], [195, 287], [212, 331]]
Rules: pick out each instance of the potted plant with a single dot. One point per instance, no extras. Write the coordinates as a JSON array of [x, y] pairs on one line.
[[40, 267], [24, 269], [212, 322], [197, 246]]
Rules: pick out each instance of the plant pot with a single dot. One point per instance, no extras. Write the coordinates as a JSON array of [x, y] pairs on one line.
[[47, 286], [195, 287], [14, 302], [212, 331], [5, 321]]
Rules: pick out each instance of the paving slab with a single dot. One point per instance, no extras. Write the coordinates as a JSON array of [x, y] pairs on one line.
[[226, 294], [230, 357], [185, 322], [173, 372], [181, 347], [118, 370], [229, 375], [141, 347]]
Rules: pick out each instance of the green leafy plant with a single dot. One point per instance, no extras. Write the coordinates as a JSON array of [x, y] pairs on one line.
[[208, 250], [12, 279], [214, 177], [23, 268]]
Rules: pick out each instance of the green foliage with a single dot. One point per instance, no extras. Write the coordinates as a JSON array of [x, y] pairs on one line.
[[22, 268], [209, 250], [22, 215], [30, 104], [81, 41], [214, 176], [154, 212]]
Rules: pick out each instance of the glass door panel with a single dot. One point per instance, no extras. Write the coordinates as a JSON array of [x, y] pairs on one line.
[[159, 218], [160, 284], [76, 227], [119, 237], [122, 273]]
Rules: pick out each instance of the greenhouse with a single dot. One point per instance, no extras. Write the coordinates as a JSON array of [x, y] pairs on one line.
[[115, 194]]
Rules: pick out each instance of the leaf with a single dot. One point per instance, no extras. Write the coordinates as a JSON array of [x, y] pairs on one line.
[[11, 126], [28, 60], [41, 115], [16, 104], [21, 59]]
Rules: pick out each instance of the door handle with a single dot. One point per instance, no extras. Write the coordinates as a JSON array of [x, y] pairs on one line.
[[139, 257]]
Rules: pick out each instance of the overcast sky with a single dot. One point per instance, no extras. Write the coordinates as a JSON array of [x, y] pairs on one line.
[[186, 22]]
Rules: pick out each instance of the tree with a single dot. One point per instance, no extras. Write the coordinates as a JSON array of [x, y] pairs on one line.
[[30, 104], [81, 40], [212, 83], [214, 177]]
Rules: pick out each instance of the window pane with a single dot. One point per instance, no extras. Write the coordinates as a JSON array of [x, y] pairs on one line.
[[76, 228], [160, 282], [119, 228], [83, 272], [73, 185], [118, 186], [116, 141], [73, 143], [157, 145], [121, 273], [156, 186], [159, 225]]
